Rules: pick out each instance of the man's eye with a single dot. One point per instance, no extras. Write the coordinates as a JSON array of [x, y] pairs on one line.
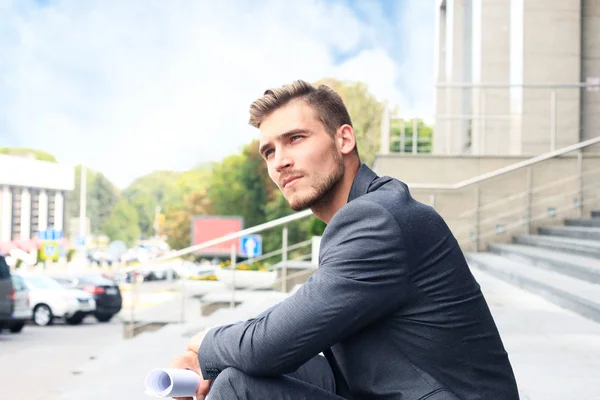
[[296, 136], [268, 153]]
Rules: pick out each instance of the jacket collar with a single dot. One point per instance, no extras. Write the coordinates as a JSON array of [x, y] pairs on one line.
[[363, 179]]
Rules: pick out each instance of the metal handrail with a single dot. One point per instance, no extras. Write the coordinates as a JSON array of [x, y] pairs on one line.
[[235, 235], [507, 169], [525, 193], [537, 203]]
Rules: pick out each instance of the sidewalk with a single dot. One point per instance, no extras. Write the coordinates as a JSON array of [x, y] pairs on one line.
[[555, 353]]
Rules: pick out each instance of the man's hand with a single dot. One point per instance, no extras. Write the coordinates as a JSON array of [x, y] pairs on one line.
[[189, 360]]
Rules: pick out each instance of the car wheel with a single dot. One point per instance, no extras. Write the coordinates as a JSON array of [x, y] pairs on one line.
[[18, 327], [103, 317], [42, 315]]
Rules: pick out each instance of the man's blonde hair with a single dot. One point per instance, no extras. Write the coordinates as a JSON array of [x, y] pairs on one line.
[[328, 105]]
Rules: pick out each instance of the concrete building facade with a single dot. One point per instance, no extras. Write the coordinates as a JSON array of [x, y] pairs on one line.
[[516, 77], [32, 197]]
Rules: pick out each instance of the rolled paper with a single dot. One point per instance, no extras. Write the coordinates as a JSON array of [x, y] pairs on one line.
[[171, 382]]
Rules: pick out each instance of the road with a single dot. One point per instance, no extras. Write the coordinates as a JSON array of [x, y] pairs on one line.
[[39, 362]]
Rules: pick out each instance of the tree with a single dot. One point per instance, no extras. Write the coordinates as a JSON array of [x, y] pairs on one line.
[[36, 154], [146, 193], [101, 196], [424, 136], [365, 111], [240, 185], [122, 223], [178, 221]]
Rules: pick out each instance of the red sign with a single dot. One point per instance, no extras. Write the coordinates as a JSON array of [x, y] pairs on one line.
[[208, 227]]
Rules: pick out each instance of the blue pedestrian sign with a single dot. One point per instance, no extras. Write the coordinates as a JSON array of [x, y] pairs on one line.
[[50, 234], [251, 246]]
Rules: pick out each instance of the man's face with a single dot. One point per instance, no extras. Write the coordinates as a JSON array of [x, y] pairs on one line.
[[302, 158]]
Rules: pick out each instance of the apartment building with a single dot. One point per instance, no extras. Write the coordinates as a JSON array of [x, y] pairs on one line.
[[32, 197], [516, 77]]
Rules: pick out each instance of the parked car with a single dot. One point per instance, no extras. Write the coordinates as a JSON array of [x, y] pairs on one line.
[[49, 300], [7, 294], [22, 311], [105, 291]]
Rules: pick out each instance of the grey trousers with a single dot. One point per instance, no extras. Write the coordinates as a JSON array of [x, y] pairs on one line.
[[313, 380]]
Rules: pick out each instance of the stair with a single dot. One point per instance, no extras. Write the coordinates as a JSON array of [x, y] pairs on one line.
[[587, 222], [572, 293], [586, 247], [571, 232], [560, 264]]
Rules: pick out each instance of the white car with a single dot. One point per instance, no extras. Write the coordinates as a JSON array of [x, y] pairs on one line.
[[49, 300]]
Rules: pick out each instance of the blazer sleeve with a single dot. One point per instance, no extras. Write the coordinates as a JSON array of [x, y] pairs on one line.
[[362, 276]]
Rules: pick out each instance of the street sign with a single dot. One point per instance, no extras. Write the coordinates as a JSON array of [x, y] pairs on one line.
[[251, 246], [49, 251], [50, 234]]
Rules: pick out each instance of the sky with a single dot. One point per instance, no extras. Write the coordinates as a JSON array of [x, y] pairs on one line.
[[130, 87]]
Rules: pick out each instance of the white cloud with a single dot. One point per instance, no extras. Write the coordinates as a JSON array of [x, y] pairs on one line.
[[130, 87]]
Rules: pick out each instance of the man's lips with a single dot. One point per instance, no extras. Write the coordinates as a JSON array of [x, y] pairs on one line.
[[286, 181]]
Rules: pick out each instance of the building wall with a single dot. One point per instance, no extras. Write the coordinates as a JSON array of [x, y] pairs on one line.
[[32, 195], [590, 67], [516, 42], [551, 54]]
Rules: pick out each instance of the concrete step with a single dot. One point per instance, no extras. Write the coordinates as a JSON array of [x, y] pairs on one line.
[[590, 248], [595, 213], [577, 266], [587, 222], [578, 232], [571, 293]]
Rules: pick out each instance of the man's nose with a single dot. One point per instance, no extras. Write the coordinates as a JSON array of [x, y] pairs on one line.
[[282, 160]]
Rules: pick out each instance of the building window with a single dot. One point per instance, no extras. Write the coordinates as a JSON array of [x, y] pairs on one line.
[[16, 212]]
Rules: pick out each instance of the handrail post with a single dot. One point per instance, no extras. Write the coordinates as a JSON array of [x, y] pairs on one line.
[[477, 216], [284, 257], [529, 199], [403, 136], [415, 136], [553, 126], [580, 183], [233, 262]]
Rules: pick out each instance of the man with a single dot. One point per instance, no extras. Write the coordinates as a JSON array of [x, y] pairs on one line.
[[393, 304]]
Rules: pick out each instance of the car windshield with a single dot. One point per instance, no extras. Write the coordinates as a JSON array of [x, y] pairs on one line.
[[43, 282]]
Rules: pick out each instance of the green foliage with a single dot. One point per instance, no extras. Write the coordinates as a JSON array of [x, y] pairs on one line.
[[317, 227], [37, 154], [164, 190], [102, 195], [122, 223], [241, 186], [424, 136], [365, 111]]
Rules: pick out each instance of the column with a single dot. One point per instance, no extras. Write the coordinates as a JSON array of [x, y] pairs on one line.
[[59, 211], [43, 211], [6, 217], [25, 214]]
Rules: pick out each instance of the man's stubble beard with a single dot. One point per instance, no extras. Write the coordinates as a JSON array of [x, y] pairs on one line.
[[323, 187]]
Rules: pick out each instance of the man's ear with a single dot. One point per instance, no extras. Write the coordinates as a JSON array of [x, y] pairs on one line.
[[346, 139]]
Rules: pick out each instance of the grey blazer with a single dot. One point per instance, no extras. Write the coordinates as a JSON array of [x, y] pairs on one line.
[[393, 305]]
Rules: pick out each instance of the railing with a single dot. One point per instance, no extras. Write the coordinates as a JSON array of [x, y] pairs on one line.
[[280, 283], [399, 135], [504, 118], [516, 198]]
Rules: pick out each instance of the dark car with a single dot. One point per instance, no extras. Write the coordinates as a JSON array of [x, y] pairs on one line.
[[7, 294], [105, 291]]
